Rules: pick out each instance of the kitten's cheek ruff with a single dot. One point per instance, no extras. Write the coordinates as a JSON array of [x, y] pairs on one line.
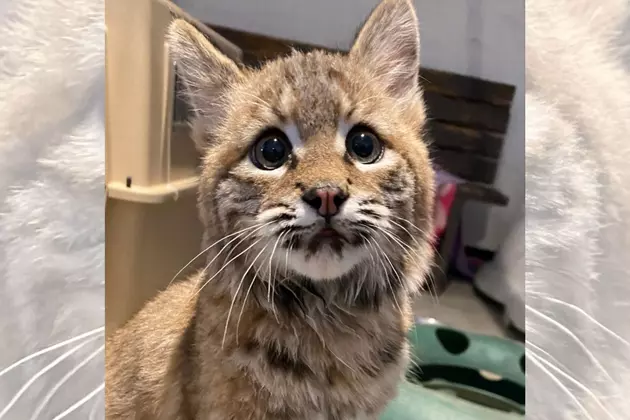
[[323, 265]]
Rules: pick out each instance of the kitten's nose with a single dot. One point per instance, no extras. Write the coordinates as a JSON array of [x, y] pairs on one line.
[[325, 200]]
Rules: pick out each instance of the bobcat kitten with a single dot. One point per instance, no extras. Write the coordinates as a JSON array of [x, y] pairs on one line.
[[316, 198]]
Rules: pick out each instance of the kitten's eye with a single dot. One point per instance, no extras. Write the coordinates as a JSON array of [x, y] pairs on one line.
[[363, 145], [271, 150]]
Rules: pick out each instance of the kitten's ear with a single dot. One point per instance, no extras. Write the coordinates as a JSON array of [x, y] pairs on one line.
[[206, 72], [389, 42]]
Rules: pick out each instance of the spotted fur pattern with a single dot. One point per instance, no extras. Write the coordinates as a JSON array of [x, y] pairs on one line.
[[281, 323]]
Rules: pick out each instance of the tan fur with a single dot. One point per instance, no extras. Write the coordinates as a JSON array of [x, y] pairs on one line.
[[250, 337]]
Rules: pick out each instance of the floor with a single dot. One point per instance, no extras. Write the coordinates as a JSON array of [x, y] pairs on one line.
[[460, 307]]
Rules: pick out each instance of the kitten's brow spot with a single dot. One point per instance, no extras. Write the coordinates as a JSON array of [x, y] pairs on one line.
[[283, 118], [350, 112]]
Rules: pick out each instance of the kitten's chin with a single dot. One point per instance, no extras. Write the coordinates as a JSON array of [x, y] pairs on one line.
[[325, 264]]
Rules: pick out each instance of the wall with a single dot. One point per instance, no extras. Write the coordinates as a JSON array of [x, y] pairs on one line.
[[484, 38]]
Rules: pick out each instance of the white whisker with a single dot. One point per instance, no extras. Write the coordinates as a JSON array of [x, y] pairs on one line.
[[62, 381], [432, 288], [412, 252], [242, 239], [590, 318], [365, 273], [79, 403], [240, 284], [238, 321], [271, 260], [365, 238], [406, 231], [51, 348], [529, 345], [574, 382], [95, 407], [567, 331], [208, 248], [387, 277], [48, 367], [411, 224], [286, 258], [225, 265], [272, 279], [380, 258], [396, 239], [341, 360], [533, 358]]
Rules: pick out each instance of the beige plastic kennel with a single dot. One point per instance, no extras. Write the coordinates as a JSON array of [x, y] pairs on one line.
[[152, 229]]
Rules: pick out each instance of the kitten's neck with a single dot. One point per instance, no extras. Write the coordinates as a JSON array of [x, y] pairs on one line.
[[238, 302], [300, 333]]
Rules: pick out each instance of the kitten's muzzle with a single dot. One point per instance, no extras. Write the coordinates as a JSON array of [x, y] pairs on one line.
[[325, 200]]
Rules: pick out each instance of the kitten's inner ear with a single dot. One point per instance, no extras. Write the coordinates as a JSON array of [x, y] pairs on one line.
[[206, 72], [389, 43]]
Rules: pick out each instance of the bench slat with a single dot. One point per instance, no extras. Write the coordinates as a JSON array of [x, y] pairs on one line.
[[464, 165], [465, 113], [483, 193], [464, 139], [467, 87]]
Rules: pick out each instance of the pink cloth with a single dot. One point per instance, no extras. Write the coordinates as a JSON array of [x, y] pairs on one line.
[[445, 188], [445, 194]]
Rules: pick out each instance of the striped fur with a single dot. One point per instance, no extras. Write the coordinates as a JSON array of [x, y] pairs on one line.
[[280, 325]]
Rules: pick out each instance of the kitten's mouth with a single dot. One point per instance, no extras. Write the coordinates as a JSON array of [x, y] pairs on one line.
[[326, 237], [328, 232], [326, 252]]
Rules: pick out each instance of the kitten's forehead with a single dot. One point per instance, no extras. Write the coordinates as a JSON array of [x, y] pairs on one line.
[[304, 89]]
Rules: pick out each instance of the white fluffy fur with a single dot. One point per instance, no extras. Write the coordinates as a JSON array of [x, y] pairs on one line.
[[578, 210], [324, 265], [51, 201]]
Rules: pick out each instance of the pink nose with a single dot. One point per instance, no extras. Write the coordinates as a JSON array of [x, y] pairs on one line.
[[326, 200]]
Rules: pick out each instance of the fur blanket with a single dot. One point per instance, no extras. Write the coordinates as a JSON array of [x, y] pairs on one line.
[[577, 210], [52, 152]]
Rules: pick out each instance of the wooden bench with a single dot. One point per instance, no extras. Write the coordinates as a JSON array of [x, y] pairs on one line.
[[468, 121]]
